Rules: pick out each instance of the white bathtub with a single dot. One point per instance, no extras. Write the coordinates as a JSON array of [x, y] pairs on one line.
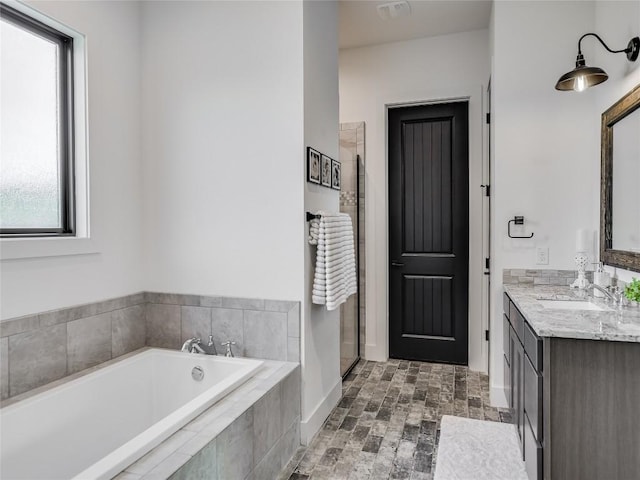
[[95, 426]]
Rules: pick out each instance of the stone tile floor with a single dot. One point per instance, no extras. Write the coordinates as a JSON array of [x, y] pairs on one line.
[[387, 424]]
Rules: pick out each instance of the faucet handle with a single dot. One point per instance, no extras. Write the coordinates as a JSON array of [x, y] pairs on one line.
[[229, 352], [616, 293]]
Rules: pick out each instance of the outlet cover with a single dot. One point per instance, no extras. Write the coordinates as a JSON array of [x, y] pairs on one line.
[[542, 256]]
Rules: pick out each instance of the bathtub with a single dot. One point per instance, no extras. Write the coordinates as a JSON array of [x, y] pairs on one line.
[[95, 426]]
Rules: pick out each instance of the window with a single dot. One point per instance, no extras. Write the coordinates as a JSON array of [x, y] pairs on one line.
[[36, 128]]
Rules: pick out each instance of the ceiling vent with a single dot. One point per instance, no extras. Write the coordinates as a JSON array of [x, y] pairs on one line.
[[393, 10]]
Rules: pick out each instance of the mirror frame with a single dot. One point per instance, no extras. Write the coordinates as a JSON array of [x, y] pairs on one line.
[[619, 110]]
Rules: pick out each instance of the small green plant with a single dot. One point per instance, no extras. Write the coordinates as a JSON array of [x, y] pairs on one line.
[[632, 290]]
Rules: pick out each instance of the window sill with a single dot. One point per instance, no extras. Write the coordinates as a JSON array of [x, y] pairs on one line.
[[23, 248]]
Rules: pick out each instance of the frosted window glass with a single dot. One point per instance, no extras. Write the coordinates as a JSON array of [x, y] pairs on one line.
[[30, 195]]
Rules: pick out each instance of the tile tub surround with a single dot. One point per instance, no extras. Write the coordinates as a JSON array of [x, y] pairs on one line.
[[267, 329], [250, 434], [39, 349], [613, 324], [81, 337]]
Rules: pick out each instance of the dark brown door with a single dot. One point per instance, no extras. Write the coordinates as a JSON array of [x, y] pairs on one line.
[[429, 232]]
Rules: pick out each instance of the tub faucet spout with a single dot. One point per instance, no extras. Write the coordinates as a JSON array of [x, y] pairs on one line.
[[192, 346]]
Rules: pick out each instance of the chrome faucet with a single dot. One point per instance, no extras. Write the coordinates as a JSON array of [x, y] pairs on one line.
[[195, 345], [229, 352], [613, 294]]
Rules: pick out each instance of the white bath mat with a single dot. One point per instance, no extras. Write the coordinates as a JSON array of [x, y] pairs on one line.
[[478, 450]]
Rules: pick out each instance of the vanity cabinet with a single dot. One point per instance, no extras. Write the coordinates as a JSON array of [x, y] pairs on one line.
[[522, 353], [575, 402]]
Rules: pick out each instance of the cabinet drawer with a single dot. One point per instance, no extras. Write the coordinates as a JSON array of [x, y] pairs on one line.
[[507, 381], [505, 304], [533, 347], [532, 454], [533, 398], [517, 322], [505, 338]]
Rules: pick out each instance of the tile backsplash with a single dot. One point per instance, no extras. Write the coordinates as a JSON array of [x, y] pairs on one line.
[[41, 348], [539, 277], [547, 277]]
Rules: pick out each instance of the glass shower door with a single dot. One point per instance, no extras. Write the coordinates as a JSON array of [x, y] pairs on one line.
[[352, 202]]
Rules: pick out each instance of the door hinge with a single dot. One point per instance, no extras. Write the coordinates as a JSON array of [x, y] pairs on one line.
[[486, 335], [487, 190], [488, 117], [486, 263]]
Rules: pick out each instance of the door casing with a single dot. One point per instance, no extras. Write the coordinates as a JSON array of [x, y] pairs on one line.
[[377, 346]]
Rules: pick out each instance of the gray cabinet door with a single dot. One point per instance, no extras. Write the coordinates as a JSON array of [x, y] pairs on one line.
[[517, 382], [533, 397]]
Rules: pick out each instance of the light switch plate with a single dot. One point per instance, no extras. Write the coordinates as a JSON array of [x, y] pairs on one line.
[[542, 256]]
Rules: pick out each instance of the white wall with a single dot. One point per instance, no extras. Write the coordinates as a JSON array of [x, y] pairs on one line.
[[223, 136], [322, 385], [233, 93], [546, 162], [428, 69], [34, 285]]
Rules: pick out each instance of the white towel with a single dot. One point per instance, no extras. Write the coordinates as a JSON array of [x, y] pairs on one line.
[[314, 230], [335, 276]]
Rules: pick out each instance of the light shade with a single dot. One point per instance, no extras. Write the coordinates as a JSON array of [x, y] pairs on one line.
[[581, 78]]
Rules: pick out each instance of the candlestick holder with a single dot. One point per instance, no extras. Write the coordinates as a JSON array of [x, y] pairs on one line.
[[582, 260]]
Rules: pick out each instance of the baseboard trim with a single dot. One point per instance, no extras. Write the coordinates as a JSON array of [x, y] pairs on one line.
[[498, 397], [375, 353], [310, 426]]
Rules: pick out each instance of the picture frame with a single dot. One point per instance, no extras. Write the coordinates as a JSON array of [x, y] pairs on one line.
[[336, 178], [313, 166], [325, 167]]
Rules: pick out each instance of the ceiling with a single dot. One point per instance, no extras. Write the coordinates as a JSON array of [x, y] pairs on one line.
[[360, 24]]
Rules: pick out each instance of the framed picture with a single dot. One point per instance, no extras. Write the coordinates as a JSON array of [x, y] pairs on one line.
[[326, 171], [335, 175], [313, 166]]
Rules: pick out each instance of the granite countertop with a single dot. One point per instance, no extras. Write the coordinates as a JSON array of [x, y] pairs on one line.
[[618, 324]]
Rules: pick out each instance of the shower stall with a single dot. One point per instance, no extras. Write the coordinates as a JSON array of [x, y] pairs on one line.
[[352, 201]]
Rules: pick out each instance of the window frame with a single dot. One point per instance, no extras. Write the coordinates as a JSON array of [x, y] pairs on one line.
[[66, 130]]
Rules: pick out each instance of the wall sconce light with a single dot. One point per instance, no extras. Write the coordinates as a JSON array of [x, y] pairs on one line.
[[583, 77]]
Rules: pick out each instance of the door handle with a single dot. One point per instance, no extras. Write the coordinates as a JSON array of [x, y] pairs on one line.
[[397, 264]]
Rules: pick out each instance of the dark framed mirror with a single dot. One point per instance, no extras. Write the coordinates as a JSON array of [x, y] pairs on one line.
[[620, 183]]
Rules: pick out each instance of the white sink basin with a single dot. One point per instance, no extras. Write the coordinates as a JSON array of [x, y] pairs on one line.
[[570, 305]]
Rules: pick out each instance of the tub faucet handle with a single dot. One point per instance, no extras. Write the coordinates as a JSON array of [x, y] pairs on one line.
[[228, 344], [211, 346]]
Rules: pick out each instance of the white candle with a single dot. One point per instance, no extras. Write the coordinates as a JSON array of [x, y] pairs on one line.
[[582, 240]]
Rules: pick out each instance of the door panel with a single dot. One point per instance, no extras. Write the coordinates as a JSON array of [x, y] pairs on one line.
[[427, 180], [429, 232], [428, 306]]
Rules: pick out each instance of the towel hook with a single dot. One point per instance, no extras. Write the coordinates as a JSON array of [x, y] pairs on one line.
[[517, 220]]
